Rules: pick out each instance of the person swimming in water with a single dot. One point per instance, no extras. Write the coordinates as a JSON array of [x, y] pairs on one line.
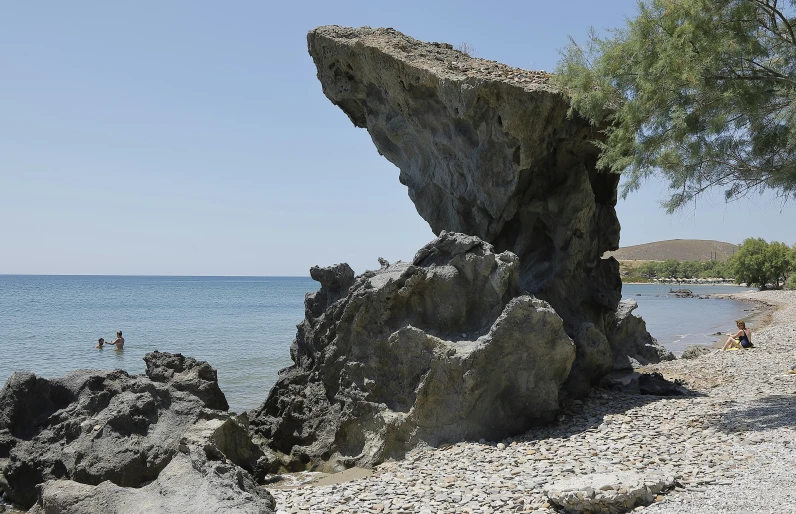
[[118, 342], [100, 343], [741, 339]]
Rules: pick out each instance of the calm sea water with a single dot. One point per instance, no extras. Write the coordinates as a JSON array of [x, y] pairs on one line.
[[243, 326], [680, 322]]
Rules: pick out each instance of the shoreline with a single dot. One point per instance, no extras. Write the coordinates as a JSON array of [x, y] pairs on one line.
[[729, 446], [757, 317], [709, 284], [763, 317]]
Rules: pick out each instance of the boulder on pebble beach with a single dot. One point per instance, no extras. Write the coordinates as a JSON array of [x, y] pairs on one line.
[[491, 151], [443, 349], [612, 493], [695, 351], [97, 426]]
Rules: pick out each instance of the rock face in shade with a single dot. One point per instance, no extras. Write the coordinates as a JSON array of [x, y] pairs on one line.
[[199, 478], [631, 344], [488, 150], [96, 426], [443, 349]]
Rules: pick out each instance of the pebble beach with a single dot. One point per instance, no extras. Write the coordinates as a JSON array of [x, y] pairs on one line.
[[730, 446]]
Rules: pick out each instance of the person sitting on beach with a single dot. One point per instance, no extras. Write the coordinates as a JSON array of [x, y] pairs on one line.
[[118, 342], [741, 339], [100, 342]]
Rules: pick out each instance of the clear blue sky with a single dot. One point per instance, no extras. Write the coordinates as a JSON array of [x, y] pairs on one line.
[[193, 138]]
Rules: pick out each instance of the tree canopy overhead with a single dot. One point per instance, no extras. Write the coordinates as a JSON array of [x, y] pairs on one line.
[[702, 92]]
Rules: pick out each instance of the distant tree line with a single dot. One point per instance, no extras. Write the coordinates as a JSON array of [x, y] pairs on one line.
[[757, 263], [680, 270]]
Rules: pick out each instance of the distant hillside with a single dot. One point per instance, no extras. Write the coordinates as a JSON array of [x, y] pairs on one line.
[[677, 249]]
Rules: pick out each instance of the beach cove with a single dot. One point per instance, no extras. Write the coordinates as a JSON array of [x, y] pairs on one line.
[[497, 370], [730, 447], [703, 319]]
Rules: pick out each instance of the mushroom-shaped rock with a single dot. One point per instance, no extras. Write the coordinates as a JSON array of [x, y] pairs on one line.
[[490, 150]]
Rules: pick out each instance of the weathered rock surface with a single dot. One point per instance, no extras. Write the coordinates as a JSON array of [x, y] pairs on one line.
[[488, 150], [730, 446], [608, 492], [631, 344], [695, 351], [199, 478], [96, 426], [445, 348]]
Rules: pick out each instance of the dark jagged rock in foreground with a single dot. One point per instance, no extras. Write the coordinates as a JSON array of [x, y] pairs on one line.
[[121, 432], [443, 349], [488, 150], [199, 478]]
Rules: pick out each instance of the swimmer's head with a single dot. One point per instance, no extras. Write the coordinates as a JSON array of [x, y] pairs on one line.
[[119, 333]]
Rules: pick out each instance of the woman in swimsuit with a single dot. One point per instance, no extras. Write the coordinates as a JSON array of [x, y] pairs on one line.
[[741, 339], [118, 342]]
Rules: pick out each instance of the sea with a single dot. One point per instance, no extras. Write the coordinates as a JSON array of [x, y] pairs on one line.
[[243, 326]]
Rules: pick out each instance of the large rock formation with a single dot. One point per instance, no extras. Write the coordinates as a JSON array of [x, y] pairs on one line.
[[445, 348], [96, 426], [489, 150]]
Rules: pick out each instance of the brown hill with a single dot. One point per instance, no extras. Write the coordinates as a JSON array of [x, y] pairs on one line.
[[678, 249]]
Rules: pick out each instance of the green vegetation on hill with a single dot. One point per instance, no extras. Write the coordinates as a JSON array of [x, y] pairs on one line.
[[678, 270], [757, 262]]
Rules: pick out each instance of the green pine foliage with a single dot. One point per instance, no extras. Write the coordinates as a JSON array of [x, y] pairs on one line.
[[701, 92]]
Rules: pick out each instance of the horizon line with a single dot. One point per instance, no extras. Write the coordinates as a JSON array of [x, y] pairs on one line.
[[144, 275]]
